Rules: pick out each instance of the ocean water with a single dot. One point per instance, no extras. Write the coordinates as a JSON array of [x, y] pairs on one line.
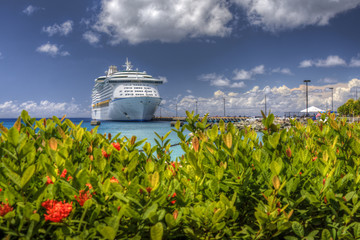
[[142, 130]]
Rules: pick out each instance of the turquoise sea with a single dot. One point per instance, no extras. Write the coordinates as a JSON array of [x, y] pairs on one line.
[[141, 130]]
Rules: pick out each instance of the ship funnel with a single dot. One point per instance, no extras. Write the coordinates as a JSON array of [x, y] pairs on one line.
[[112, 70]]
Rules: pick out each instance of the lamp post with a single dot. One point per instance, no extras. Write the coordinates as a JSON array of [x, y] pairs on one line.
[[265, 106], [196, 108], [176, 110], [224, 107], [307, 106], [332, 98]]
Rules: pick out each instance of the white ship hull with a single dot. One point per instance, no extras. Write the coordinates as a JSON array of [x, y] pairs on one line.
[[126, 95], [128, 109]]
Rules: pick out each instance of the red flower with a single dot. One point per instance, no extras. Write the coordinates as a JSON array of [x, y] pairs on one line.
[[89, 185], [300, 173], [117, 146], [56, 210], [4, 209], [173, 201], [324, 180], [148, 189], [0, 189], [49, 181], [174, 195], [69, 178], [104, 153], [325, 200], [119, 207], [83, 197], [114, 180], [314, 158], [63, 174]]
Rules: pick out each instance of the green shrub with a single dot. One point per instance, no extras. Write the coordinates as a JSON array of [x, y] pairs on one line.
[[61, 181]]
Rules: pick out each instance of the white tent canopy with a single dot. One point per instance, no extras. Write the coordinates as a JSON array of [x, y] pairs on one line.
[[313, 109]]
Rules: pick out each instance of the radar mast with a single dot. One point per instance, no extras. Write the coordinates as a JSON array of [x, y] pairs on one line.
[[128, 65]]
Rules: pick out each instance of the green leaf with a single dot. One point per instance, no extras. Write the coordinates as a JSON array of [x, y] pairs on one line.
[[35, 217], [222, 126], [213, 132], [274, 140], [357, 229], [275, 167], [150, 210], [298, 229], [154, 180], [107, 232], [219, 214], [177, 125], [170, 221], [290, 238], [149, 166], [219, 172], [28, 173], [157, 231], [13, 136], [325, 235]]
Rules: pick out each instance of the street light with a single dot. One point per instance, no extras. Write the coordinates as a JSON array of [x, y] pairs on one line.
[[332, 98], [224, 107], [306, 82], [265, 105], [176, 110], [196, 108]]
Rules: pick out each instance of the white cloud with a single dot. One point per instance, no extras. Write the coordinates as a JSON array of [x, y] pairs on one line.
[[219, 93], [29, 10], [306, 63], [91, 37], [328, 80], [330, 61], [233, 94], [43, 108], [246, 75], [189, 91], [52, 50], [275, 15], [354, 62], [164, 79], [215, 79], [285, 71], [242, 74], [238, 85], [62, 29], [138, 21], [258, 70], [280, 99]]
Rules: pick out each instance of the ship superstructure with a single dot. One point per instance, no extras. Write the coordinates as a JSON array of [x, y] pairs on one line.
[[128, 95]]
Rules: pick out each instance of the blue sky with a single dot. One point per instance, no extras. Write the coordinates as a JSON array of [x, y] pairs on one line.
[[206, 50]]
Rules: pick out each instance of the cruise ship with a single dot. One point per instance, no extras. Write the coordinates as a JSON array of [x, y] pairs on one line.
[[128, 95]]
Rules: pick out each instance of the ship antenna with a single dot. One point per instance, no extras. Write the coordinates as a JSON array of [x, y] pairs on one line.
[[128, 65]]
